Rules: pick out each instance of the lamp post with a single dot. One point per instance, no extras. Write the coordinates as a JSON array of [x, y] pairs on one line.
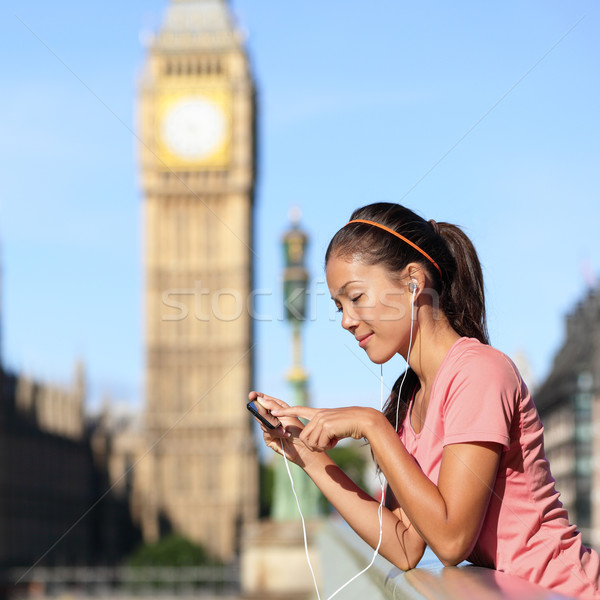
[[295, 284]]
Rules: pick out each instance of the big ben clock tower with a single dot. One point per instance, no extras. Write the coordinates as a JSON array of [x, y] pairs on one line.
[[197, 164]]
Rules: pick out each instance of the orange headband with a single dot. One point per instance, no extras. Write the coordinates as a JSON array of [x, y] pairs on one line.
[[401, 237]]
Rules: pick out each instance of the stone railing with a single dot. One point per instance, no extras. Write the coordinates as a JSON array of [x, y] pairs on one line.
[[120, 582], [344, 554], [275, 569]]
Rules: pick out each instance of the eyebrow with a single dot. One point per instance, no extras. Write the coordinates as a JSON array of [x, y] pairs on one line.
[[342, 290]]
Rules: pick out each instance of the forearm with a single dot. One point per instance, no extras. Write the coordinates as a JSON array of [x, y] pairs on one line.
[[447, 514], [420, 498], [400, 543]]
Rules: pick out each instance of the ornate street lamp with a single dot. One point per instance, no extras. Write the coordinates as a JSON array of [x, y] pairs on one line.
[[295, 287]]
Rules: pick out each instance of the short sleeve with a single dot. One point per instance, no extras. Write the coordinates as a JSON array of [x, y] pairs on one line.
[[480, 399]]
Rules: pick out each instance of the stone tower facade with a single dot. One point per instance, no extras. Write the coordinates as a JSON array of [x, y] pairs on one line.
[[197, 152]]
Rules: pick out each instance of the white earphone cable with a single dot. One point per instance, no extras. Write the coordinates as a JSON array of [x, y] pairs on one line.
[[379, 516], [380, 508], [287, 467], [412, 320]]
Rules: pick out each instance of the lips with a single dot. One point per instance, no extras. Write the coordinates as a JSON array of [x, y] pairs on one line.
[[363, 340]]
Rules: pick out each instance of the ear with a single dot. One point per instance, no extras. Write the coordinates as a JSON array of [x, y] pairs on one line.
[[416, 275]]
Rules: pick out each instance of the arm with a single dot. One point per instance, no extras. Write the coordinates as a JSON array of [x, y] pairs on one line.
[[447, 516], [401, 544]]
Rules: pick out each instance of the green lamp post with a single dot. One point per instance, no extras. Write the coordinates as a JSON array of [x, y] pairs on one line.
[[295, 284]]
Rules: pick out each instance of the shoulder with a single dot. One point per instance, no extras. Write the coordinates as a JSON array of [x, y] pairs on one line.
[[470, 360], [479, 391], [475, 372]]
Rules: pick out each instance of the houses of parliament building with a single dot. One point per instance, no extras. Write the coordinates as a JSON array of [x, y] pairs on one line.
[[75, 492]]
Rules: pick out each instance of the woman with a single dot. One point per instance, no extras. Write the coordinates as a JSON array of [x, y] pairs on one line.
[[459, 442]]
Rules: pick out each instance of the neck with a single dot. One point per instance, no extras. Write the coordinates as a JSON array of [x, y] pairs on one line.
[[431, 342]]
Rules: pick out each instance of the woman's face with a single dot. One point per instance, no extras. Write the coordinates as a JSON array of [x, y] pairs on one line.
[[376, 309]]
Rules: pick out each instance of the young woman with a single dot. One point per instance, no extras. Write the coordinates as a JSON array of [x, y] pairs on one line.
[[459, 442]]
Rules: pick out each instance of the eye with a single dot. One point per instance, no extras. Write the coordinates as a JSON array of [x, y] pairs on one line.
[[356, 298]]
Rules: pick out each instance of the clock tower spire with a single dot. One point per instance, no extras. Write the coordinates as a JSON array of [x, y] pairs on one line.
[[196, 110]]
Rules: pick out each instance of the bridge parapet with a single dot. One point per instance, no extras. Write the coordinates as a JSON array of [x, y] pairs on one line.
[[344, 554]]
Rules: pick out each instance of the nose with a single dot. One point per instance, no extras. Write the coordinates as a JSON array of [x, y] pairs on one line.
[[348, 321]]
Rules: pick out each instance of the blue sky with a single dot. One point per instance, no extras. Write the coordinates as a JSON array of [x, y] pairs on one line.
[[481, 114]]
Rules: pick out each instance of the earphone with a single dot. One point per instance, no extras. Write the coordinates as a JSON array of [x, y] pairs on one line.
[[412, 286]]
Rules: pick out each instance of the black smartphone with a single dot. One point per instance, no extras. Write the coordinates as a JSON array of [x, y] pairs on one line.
[[263, 415]]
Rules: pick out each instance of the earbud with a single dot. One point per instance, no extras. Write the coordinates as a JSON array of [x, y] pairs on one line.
[[412, 287]]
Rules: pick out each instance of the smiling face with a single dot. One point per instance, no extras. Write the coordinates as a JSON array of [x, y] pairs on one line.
[[376, 309]]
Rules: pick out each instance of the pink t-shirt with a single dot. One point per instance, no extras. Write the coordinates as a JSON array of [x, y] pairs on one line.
[[479, 396]]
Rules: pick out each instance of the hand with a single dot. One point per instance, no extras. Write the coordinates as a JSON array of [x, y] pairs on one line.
[[287, 433], [327, 426]]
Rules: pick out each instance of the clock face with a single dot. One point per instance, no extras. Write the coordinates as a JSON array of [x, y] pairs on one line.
[[193, 128]]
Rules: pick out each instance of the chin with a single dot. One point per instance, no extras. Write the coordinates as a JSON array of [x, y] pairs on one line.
[[379, 359]]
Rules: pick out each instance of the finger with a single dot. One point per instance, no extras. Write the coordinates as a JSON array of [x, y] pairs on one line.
[[333, 443], [304, 412], [271, 403], [317, 439], [258, 396], [279, 432], [278, 445]]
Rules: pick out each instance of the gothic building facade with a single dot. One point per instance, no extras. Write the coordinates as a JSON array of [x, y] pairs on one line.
[[569, 406], [56, 505]]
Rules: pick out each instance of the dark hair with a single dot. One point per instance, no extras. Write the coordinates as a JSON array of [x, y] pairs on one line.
[[460, 285]]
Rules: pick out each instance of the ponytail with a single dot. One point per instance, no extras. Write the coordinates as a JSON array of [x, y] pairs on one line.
[[459, 281], [462, 299]]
